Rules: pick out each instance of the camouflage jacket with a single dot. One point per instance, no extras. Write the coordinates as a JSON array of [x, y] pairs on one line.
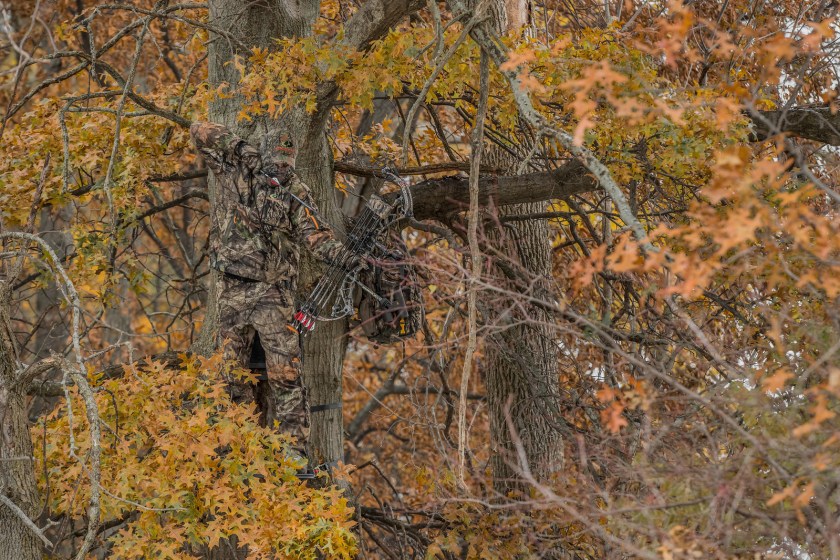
[[258, 229]]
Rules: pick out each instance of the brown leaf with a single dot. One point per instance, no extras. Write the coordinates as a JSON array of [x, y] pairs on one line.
[[805, 496], [783, 495]]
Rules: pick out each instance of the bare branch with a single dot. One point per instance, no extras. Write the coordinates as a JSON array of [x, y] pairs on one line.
[[421, 97], [438, 198], [37, 369], [820, 124], [476, 149], [172, 203]]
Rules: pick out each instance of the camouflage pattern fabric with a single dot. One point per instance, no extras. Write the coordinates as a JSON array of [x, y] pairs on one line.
[[257, 228], [249, 307], [255, 241]]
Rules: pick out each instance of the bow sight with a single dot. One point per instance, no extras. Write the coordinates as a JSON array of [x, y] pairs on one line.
[[363, 241]]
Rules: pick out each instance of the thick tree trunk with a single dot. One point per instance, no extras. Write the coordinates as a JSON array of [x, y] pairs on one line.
[[17, 477], [323, 350], [521, 375], [258, 25]]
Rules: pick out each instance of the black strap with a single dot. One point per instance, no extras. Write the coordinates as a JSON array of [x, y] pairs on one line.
[[322, 407]]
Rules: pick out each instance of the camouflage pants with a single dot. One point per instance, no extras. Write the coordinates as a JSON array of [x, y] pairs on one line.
[[246, 308]]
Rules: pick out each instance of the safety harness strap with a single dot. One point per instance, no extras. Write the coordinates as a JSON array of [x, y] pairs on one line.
[[322, 407]]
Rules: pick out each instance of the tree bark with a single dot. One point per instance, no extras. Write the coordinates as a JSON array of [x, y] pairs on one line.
[[323, 349], [521, 375], [820, 124], [17, 475], [521, 351], [437, 199]]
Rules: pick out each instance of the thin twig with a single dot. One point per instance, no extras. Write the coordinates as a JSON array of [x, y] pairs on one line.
[[476, 261], [421, 97]]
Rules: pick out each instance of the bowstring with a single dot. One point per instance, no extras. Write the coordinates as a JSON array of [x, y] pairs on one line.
[[329, 282], [335, 268], [356, 247], [340, 265]]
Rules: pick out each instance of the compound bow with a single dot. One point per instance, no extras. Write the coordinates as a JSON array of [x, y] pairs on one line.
[[363, 241]]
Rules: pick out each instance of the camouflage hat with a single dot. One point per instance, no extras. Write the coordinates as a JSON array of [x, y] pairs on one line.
[[286, 146]]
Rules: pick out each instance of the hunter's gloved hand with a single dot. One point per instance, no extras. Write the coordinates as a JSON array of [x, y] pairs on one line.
[[355, 262], [282, 172], [361, 264]]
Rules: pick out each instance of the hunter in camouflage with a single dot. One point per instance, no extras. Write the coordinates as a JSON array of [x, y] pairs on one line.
[[257, 233]]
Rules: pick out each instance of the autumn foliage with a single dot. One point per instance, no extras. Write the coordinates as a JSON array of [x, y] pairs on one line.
[[698, 374], [189, 467]]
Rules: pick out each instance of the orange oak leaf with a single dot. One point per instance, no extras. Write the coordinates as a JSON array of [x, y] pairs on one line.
[[776, 381], [612, 417]]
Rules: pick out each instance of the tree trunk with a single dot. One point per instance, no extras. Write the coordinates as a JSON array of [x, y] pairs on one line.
[[324, 348], [258, 25], [17, 477], [521, 375]]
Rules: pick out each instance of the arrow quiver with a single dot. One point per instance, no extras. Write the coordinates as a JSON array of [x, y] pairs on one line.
[[332, 297]]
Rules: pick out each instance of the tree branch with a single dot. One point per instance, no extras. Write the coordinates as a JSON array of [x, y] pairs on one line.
[[37, 369], [350, 168], [371, 22], [196, 193], [819, 124], [26, 521], [56, 388], [374, 19], [437, 198]]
